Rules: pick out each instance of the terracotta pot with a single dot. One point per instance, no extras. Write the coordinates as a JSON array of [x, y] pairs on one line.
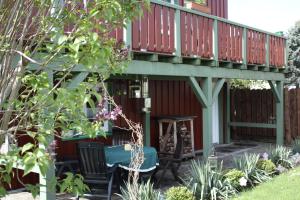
[[198, 7]]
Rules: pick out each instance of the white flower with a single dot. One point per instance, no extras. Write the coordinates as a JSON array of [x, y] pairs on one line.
[[265, 156], [243, 182]]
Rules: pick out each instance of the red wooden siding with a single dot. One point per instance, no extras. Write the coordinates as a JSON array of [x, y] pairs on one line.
[[277, 47], [218, 7], [196, 35], [230, 42], [154, 31], [256, 47]]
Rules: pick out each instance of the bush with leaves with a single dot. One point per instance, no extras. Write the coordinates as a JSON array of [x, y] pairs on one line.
[[266, 165], [179, 193], [280, 155], [248, 164], [145, 192], [296, 146], [207, 183], [235, 176]]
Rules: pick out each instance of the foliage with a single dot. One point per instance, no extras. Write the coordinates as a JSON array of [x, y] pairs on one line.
[[145, 192], [249, 84], [281, 156], [296, 146], [248, 164], [234, 176], [36, 104], [293, 42], [284, 186], [73, 184], [207, 183], [266, 165], [179, 193]]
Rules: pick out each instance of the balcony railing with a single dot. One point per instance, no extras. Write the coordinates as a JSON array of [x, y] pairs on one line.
[[171, 30]]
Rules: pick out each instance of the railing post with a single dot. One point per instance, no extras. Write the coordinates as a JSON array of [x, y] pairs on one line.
[[215, 42], [177, 30], [268, 51], [286, 54], [244, 48], [127, 35]]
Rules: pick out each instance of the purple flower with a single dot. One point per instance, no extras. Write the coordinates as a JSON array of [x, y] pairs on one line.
[[265, 156], [103, 113]]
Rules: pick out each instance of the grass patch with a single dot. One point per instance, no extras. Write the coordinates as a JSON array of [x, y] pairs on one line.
[[283, 187]]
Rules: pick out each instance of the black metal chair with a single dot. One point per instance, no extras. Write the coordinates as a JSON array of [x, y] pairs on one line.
[[93, 168], [171, 161], [120, 137]]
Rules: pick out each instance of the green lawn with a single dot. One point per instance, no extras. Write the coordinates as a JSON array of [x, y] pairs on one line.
[[283, 187]]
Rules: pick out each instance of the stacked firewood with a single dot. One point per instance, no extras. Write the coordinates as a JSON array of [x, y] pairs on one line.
[[167, 143]]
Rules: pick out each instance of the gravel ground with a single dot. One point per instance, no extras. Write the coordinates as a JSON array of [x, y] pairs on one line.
[[226, 153]]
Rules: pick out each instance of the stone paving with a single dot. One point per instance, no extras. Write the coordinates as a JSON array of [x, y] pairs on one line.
[[226, 153]]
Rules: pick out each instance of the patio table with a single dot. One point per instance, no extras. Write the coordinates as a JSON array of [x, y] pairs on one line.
[[116, 155]]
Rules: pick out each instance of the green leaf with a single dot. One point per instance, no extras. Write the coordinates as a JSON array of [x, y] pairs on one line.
[[27, 147]]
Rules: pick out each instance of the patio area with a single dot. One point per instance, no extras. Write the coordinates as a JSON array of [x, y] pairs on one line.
[[225, 153]]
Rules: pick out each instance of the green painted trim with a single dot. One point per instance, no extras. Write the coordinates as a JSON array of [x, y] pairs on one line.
[[164, 3], [127, 36], [83, 137], [279, 114], [177, 29], [207, 117], [202, 98], [252, 125], [77, 80], [228, 110], [184, 70], [147, 134], [218, 88], [216, 42], [221, 117], [275, 90], [268, 51]]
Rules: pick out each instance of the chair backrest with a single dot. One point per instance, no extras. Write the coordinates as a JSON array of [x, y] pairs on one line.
[[179, 147], [120, 137], [92, 160]]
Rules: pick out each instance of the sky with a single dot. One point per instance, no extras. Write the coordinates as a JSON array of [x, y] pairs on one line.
[[268, 15]]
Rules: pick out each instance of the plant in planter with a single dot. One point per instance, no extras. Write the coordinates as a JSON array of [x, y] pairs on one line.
[[200, 5]]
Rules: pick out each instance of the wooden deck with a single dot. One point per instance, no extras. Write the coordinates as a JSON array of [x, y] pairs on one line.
[[171, 31]]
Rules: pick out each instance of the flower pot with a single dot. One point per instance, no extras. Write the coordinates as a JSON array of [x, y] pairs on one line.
[[198, 7]]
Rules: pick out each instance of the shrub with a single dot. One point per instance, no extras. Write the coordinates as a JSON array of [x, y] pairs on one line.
[[296, 146], [234, 176], [266, 165], [179, 193], [207, 183], [247, 164], [145, 192], [281, 156]]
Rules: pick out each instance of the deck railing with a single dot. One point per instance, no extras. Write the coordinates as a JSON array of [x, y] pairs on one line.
[[172, 30]]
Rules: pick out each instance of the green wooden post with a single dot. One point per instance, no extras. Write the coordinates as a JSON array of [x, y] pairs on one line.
[[177, 33], [228, 128], [216, 43], [127, 36], [279, 114], [244, 47], [47, 189], [207, 117], [221, 118], [147, 128]]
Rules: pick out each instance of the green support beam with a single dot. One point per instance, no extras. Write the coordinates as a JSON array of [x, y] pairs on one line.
[[252, 125], [218, 88], [204, 96], [198, 91], [279, 114], [228, 110], [147, 135], [275, 90], [47, 191], [77, 80]]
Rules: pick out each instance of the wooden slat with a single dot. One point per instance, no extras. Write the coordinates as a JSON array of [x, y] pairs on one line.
[[183, 33], [136, 34], [194, 34], [188, 34], [210, 38], [200, 36], [158, 37], [151, 28], [165, 30], [172, 30], [144, 30]]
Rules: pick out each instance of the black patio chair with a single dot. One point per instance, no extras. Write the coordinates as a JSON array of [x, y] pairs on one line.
[[120, 137], [93, 168], [171, 161]]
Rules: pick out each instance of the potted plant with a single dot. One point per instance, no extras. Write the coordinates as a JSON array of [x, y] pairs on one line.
[[200, 5]]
